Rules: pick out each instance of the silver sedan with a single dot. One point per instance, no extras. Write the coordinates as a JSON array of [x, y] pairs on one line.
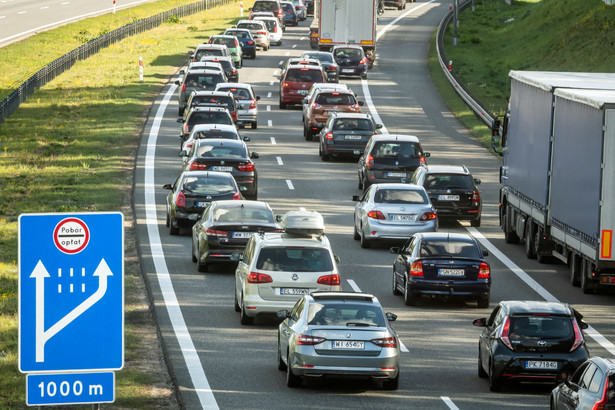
[[338, 334], [392, 211]]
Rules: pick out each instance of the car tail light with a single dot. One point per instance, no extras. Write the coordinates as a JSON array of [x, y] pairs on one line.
[[213, 232], [236, 197], [181, 199], [355, 107], [255, 277], [275, 29], [186, 128], [330, 68], [483, 271], [188, 145], [504, 335], [475, 198], [385, 342], [252, 104], [605, 396], [316, 106], [234, 115], [234, 72], [578, 337], [198, 167], [329, 136], [261, 33], [284, 85], [309, 340], [280, 13], [370, 161], [416, 269], [330, 280], [250, 42], [246, 167], [422, 160], [428, 216], [184, 87], [363, 61], [375, 215]]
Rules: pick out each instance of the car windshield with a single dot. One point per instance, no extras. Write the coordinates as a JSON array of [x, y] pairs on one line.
[[304, 75], [207, 185], [353, 124], [540, 327], [294, 259], [203, 80], [400, 196], [345, 314], [209, 117], [395, 149], [459, 249], [220, 151], [243, 214], [325, 58], [229, 135], [335, 99], [446, 181], [239, 93]]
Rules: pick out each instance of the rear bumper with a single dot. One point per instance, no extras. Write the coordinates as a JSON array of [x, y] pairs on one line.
[[353, 71], [449, 288], [512, 368], [374, 230]]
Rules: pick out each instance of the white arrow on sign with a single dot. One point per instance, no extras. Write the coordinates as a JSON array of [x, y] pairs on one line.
[[39, 274]]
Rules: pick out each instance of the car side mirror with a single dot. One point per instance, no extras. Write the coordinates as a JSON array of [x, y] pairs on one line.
[[379, 126], [167, 186], [482, 322], [485, 252], [477, 181], [282, 314], [182, 71], [246, 138], [257, 98], [279, 218], [254, 155], [176, 82], [391, 317], [236, 257], [336, 258], [356, 198], [427, 154], [182, 154], [394, 250], [584, 325], [361, 103], [190, 53], [180, 120], [304, 101]]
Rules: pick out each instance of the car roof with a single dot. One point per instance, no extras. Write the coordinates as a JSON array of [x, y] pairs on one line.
[[282, 239], [236, 85], [462, 237], [332, 86], [399, 185], [220, 141], [303, 67], [351, 115], [233, 203], [607, 362], [394, 137], [324, 90], [214, 58], [208, 108], [221, 36], [207, 173], [221, 127], [207, 45], [446, 169], [536, 306], [347, 46], [343, 296], [270, 18], [202, 71], [212, 93]]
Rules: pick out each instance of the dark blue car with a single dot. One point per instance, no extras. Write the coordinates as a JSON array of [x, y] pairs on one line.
[[290, 14], [248, 45]]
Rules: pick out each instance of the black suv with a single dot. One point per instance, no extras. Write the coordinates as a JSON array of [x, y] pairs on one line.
[[452, 191], [531, 341]]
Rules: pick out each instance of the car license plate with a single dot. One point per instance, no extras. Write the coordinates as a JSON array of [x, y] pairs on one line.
[[396, 174], [222, 169], [347, 70], [451, 272], [302, 92], [448, 197], [202, 204], [352, 137], [347, 344], [539, 364], [294, 291], [242, 234], [399, 217]]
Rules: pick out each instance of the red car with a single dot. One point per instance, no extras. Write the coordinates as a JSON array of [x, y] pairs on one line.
[[296, 82]]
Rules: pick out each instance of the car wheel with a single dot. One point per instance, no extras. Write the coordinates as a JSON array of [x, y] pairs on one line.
[[360, 185], [510, 236], [364, 76], [308, 134], [292, 380], [254, 125], [391, 384], [396, 291], [173, 230], [575, 270], [236, 303], [202, 266], [483, 303], [585, 283], [243, 318], [481, 372], [168, 223], [281, 364], [475, 222], [280, 43], [194, 257], [530, 244], [494, 382], [409, 297], [356, 235], [282, 105], [325, 156], [365, 243]]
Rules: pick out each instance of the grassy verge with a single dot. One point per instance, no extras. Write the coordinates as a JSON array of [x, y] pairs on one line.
[[71, 148], [541, 35]]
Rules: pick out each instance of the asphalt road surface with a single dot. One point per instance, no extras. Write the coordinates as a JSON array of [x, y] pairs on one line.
[[219, 363]]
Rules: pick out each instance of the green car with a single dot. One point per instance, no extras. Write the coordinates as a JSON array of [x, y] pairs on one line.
[[233, 45]]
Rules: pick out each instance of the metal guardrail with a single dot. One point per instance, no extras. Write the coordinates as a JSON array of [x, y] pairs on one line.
[[479, 109], [58, 66]]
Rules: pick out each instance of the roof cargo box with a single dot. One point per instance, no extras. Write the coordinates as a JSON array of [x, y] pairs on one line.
[[303, 223]]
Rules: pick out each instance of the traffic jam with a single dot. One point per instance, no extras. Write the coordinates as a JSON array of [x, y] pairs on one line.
[[264, 245]]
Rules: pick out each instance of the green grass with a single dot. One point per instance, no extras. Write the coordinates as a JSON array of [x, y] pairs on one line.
[[547, 35], [71, 148]]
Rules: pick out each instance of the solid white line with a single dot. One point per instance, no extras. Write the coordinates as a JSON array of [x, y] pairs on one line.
[[269, 123], [449, 403], [371, 106], [290, 184], [279, 159], [1, 17], [65, 3], [401, 16], [302, 208], [272, 140], [353, 285], [191, 357]]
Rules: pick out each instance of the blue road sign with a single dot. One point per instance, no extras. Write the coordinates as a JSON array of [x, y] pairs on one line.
[[71, 292], [70, 388]]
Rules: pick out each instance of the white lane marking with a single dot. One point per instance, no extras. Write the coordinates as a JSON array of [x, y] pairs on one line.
[[290, 184], [269, 94], [22, 12], [272, 140], [269, 123], [353, 285], [294, 46], [302, 38], [372, 107], [191, 357], [545, 294], [269, 108], [402, 346], [65, 3], [281, 62], [271, 82], [302, 208], [44, 7], [449, 403], [401, 16], [288, 53], [279, 159], [1, 17]]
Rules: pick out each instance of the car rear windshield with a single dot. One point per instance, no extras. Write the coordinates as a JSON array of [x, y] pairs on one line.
[[208, 185], [265, 6], [400, 196], [348, 53], [209, 117], [541, 327], [335, 99], [396, 149], [345, 314], [294, 259], [250, 26], [448, 181], [229, 42], [226, 102], [243, 214], [228, 135], [203, 80], [220, 151], [239, 93], [325, 58], [304, 75], [458, 249], [208, 52], [238, 34], [270, 24], [353, 124]]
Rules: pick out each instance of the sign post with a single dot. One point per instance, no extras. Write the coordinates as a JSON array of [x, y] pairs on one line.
[[71, 306]]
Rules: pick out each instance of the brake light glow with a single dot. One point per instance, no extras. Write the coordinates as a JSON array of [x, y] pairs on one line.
[[375, 215], [181, 199], [255, 277], [422, 160], [186, 128], [370, 161], [236, 197], [504, 335], [483, 271], [578, 337], [284, 85], [329, 136], [428, 216], [184, 88], [355, 107], [234, 115], [316, 106], [416, 269], [213, 232], [385, 342], [309, 340], [250, 42], [188, 145], [246, 167], [330, 280], [475, 198], [197, 167], [252, 104], [261, 33], [330, 68]]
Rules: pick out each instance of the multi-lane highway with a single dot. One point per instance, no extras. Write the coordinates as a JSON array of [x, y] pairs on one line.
[[220, 363]]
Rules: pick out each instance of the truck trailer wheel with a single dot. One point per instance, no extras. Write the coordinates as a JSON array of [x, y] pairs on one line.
[[510, 236], [575, 270], [530, 241], [585, 281]]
